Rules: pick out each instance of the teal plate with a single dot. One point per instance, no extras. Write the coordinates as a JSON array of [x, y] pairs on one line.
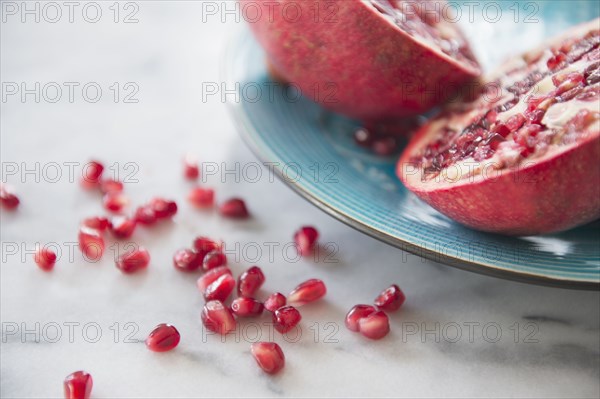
[[312, 150]]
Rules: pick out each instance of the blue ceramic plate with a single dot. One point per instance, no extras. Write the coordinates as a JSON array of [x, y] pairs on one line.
[[312, 150]]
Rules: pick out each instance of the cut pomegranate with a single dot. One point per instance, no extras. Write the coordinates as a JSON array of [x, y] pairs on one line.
[[122, 227], [211, 276], [163, 208], [220, 289], [247, 307], [374, 326], [190, 167], [306, 239], [390, 299], [78, 385], [377, 59], [217, 317], [111, 186], [91, 243], [163, 338], [202, 197], [186, 260], [214, 259], [275, 301], [133, 261], [97, 223], [269, 356], [534, 144], [115, 202], [286, 318], [250, 281], [45, 258], [234, 208], [145, 215], [8, 198], [92, 172], [308, 291], [355, 314]]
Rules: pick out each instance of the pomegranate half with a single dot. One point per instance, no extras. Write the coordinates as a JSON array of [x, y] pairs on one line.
[[368, 59], [522, 158]]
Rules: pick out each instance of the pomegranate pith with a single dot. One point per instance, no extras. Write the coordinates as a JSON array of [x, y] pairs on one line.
[[217, 317], [45, 258], [308, 291], [390, 299], [268, 356], [286, 318], [355, 314], [275, 301], [163, 338], [133, 261], [250, 281], [78, 385]]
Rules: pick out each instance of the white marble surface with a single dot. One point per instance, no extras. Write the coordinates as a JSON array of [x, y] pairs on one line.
[[168, 54]]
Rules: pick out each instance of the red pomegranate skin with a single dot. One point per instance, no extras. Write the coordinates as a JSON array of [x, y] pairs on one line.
[[356, 62]]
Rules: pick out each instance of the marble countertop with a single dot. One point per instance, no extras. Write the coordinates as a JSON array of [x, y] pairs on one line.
[[459, 335]]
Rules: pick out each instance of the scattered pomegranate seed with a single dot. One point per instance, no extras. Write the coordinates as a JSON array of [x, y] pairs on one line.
[[190, 167], [133, 261], [269, 356], [45, 259], [92, 172], [145, 215], [122, 227], [91, 243], [286, 318], [202, 197], [220, 289], [247, 307], [163, 209], [305, 239], [209, 277], [204, 245], [115, 202], [374, 326], [217, 317], [234, 208], [8, 199], [364, 137], [214, 259], [390, 299], [308, 291], [275, 301], [355, 314], [97, 223], [163, 338], [111, 186], [78, 385], [250, 281], [186, 260]]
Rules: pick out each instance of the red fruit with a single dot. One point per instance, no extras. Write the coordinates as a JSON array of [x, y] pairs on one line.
[[115, 202], [163, 208], [308, 291], [286, 318], [269, 356], [133, 261], [275, 301], [217, 317], [390, 299], [122, 227], [202, 197], [97, 223], [536, 167], [377, 59], [92, 172], [214, 259], [374, 326], [247, 307], [78, 385], [190, 167], [163, 338], [186, 260], [145, 215], [8, 199], [355, 314], [220, 289], [111, 186], [234, 208], [250, 281], [91, 243], [45, 259], [305, 239], [211, 276], [204, 245]]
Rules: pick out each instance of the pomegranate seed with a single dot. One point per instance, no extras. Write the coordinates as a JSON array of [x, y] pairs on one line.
[[364, 137], [515, 122], [8, 199], [202, 197], [220, 289], [555, 61], [91, 243], [163, 209], [115, 202], [234, 208], [275, 301], [390, 299], [305, 239], [214, 259], [209, 277], [374, 326], [250, 281], [269, 356], [286, 318], [111, 186], [190, 167], [247, 307], [92, 172], [163, 338], [145, 215], [78, 385], [308, 291], [355, 314], [204, 245], [122, 227], [385, 146], [45, 259], [186, 260], [97, 223], [217, 317], [133, 261]]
